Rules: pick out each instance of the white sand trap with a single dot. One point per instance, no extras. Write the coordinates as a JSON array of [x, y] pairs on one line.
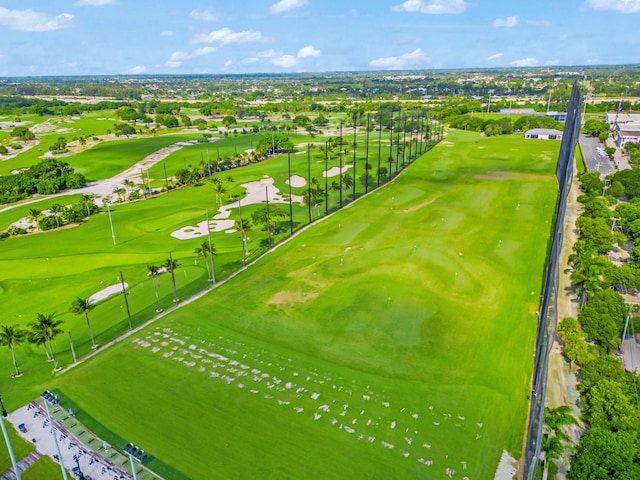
[[257, 192], [335, 171], [507, 468], [189, 232], [296, 181], [106, 292]]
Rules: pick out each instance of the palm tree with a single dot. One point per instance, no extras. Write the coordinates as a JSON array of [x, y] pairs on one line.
[[35, 215], [203, 251], [81, 305], [87, 200], [347, 181], [170, 264], [119, 191], [219, 190], [11, 336], [56, 209], [43, 331], [243, 226], [153, 270]]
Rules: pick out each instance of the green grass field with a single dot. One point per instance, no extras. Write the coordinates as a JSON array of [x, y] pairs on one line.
[[393, 340]]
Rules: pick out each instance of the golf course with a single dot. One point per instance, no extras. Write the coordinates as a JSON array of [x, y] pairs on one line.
[[392, 339]]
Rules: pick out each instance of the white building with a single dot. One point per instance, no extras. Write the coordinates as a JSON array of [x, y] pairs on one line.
[[544, 134], [625, 127]]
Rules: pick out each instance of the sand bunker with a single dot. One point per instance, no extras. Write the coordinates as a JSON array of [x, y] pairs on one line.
[[335, 171], [257, 192], [296, 181], [106, 292], [507, 467]]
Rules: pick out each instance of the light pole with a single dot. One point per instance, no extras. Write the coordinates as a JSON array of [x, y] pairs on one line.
[[126, 301], [113, 233], [134, 452], [6, 440], [50, 398]]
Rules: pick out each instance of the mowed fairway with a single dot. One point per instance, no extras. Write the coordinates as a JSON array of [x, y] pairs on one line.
[[392, 340]]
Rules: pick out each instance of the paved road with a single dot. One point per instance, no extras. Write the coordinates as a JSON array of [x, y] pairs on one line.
[[595, 159]]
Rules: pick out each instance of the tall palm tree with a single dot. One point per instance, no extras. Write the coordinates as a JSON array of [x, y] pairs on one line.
[[203, 251], [153, 270], [170, 264], [11, 336], [219, 190], [81, 305], [43, 330], [57, 209], [243, 226]]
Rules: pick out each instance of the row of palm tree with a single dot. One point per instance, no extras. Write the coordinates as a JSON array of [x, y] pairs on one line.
[[41, 332]]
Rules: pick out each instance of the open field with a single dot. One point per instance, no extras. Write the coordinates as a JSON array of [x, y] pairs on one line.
[[394, 339]]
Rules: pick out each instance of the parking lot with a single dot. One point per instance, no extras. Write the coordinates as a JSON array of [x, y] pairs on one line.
[[595, 156]]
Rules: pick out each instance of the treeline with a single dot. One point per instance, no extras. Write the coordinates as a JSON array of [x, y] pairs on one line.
[[502, 125], [45, 178], [610, 397]]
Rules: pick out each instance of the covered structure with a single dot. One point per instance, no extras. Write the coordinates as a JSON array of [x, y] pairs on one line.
[[544, 134]]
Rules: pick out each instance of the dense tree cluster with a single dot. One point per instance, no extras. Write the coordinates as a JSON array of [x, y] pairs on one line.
[[610, 447], [45, 178]]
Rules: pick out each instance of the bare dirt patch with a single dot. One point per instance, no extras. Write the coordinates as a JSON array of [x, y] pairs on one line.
[[286, 297]]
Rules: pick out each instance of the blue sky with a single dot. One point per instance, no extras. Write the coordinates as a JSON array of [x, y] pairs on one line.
[[85, 37]]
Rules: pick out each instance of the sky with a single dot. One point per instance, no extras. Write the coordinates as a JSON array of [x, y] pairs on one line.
[[108, 37]]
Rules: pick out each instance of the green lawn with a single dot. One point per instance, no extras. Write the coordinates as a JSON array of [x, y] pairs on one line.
[[407, 319], [44, 468], [21, 448]]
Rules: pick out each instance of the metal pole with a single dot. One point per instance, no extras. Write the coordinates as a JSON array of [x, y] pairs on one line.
[[166, 179], [379, 146], [355, 145], [290, 199], [366, 158], [340, 163], [126, 301], [173, 280], [308, 181], [244, 251], [133, 467], [73, 351], [55, 439], [148, 183], [213, 272], [113, 233], [326, 179], [266, 196], [390, 146], [8, 442]]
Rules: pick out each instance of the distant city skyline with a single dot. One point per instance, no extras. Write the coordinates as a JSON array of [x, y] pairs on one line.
[[96, 37]]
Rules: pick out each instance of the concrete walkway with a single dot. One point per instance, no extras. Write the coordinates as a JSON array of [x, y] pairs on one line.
[[23, 464]]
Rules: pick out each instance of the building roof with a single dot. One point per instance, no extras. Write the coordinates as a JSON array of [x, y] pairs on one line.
[[623, 117], [543, 131]]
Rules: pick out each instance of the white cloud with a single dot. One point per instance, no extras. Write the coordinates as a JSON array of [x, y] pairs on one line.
[[177, 58], [249, 61], [137, 70], [166, 33], [406, 60], [31, 21], [622, 6], [308, 51], [226, 35], [285, 61], [508, 22], [525, 62], [268, 54], [228, 63], [432, 7], [286, 5], [204, 15], [495, 57], [94, 3]]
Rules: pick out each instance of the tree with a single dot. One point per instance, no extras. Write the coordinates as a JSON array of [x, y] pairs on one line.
[[591, 183], [347, 181], [35, 215], [203, 251], [219, 190], [83, 306], [124, 129], [43, 331], [23, 133], [603, 317], [229, 120], [243, 227], [11, 336], [606, 406], [57, 209], [269, 219], [153, 270], [604, 455], [597, 232]]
